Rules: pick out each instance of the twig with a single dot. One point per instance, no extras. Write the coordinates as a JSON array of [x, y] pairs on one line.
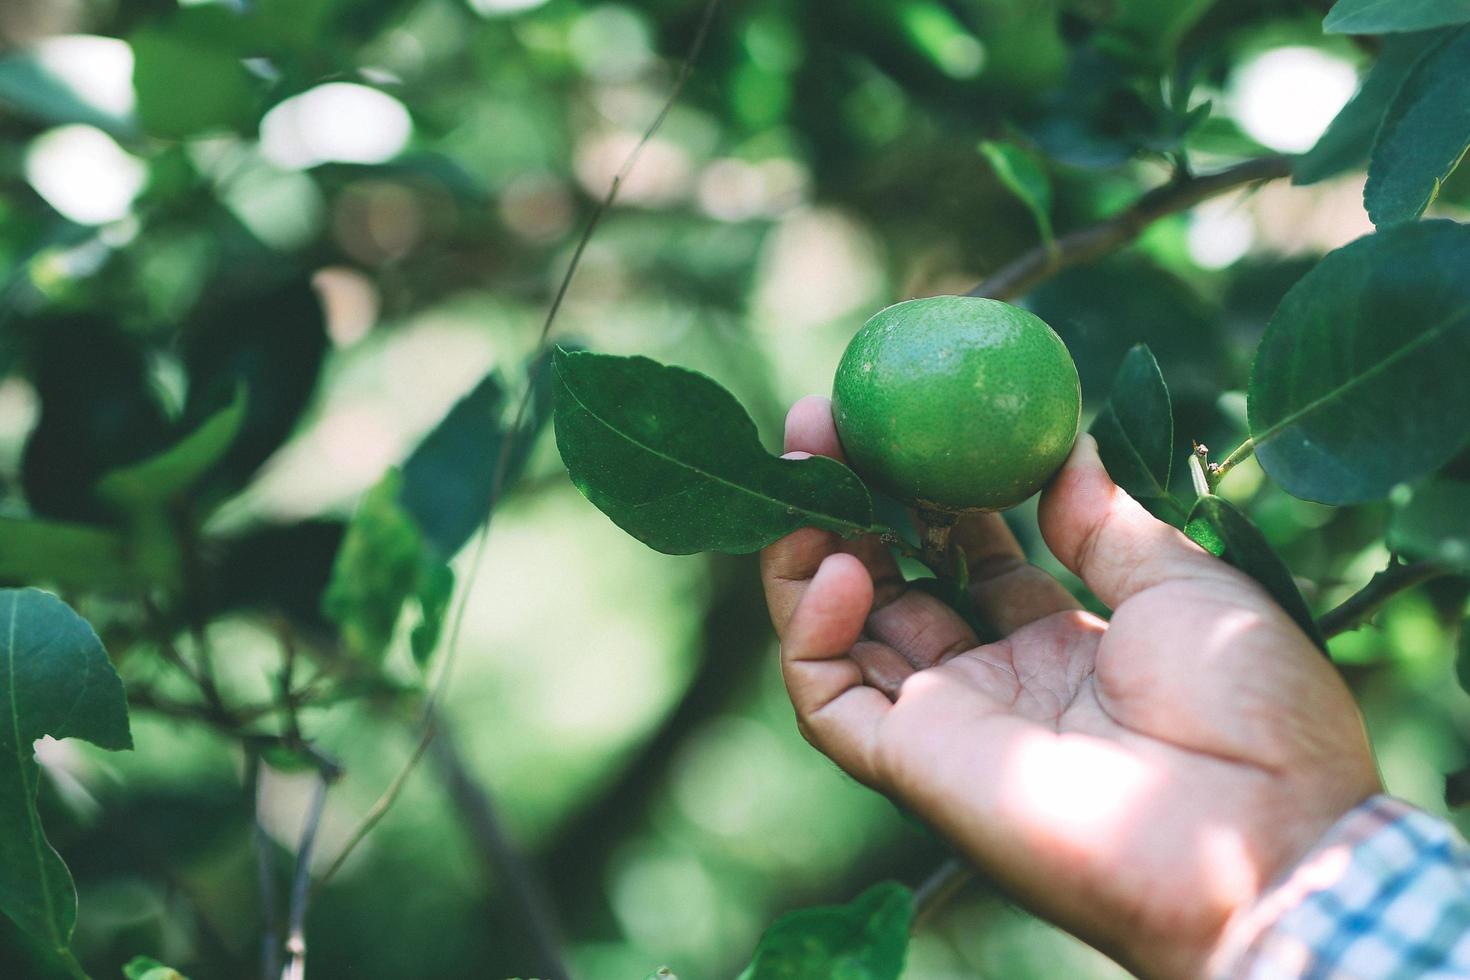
[[944, 884], [502, 859], [1239, 454], [1380, 588], [270, 943], [427, 729], [1085, 244], [301, 885]]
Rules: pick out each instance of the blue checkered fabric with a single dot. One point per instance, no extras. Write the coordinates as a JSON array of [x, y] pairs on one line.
[[1385, 895]]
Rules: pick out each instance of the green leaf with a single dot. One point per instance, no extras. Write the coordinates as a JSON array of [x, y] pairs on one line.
[[1135, 429], [1359, 381], [434, 591], [69, 555], [662, 973], [55, 679], [1424, 134], [168, 475], [1217, 526], [147, 968], [1462, 657], [675, 461], [1389, 16], [376, 570], [866, 939], [1349, 139], [1024, 176], [189, 74], [1433, 522]]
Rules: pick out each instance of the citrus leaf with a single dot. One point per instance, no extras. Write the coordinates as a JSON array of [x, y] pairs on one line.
[[58, 553], [1023, 175], [866, 939], [375, 572], [1462, 657], [1359, 381], [1388, 16], [673, 459], [1433, 523], [1349, 139], [189, 74], [55, 679], [167, 475], [1217, 526], [1424, 134], [147, 968], [1135, 429]]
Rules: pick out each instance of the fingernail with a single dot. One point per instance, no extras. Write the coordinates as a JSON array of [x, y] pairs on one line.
[[796, 454]]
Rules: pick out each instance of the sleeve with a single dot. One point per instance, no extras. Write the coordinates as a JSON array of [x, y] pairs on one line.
[[1385, 894]]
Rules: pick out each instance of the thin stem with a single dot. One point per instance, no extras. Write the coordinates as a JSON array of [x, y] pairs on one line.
[[1239, 454], [72, 964], [270, 942], [947, 881], [1093, 242], [1356, 608], [502, 464], [295, 968]]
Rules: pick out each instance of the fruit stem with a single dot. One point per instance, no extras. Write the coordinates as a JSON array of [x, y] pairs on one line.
[[937, 525]]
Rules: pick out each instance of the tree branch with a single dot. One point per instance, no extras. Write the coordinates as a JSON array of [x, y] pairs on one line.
[[270, 944], [1380, 588], [1086, 244], [301, 884], [501, 858]]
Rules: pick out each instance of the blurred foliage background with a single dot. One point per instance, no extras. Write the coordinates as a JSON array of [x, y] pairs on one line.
[[355, 209]]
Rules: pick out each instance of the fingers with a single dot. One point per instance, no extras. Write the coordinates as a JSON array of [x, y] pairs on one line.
[[1107, 538], [836, 710], [1008, 591]]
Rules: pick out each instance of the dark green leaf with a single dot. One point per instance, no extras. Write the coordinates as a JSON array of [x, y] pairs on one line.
[[675, 461], [55, 679], [271, 341], [189, 74], [1424, 134], [1388, 16], [1217, 526], [434, 590], [1024, 176], [1462, 657], [1349, 139], [1359, 382], [1457, 788], [1433, 523], [866, 939], [147, 968], [1135, 429], [449, 480], [166, 476]]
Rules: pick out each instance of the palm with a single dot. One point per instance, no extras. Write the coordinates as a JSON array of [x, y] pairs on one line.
[[1152, 772]]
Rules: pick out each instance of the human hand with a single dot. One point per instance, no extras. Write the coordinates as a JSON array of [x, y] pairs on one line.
[[1137, 781]]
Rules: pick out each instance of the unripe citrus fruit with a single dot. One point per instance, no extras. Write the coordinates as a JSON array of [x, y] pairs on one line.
[[954, 403]]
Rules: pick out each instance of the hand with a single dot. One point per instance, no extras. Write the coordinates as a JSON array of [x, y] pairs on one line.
[[1137, 781]]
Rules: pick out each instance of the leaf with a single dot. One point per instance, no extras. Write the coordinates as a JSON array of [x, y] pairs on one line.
[[1462, 657], [269, 340], [147, 968], [866, 939], [1349, 139], [1388, 16], [69, 555], [1424, 134], [434, 591], [55, 679], [376, 570], [673, 459], [1359, 381], [1434, 523], [449, 480], [189, 74], [170, 474], [1135, 429], [1217, 526], [1023, 175]]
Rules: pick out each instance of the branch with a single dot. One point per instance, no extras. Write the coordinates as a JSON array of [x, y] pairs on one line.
[[1086, 244], [501, 858], [1380, 588], [947, 881], [301, 884], [270, 945]]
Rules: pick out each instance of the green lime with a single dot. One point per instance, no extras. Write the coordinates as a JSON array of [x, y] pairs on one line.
[[954, 403]]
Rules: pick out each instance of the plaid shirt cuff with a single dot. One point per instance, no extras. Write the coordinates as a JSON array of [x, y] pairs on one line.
[[1385, 894]]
